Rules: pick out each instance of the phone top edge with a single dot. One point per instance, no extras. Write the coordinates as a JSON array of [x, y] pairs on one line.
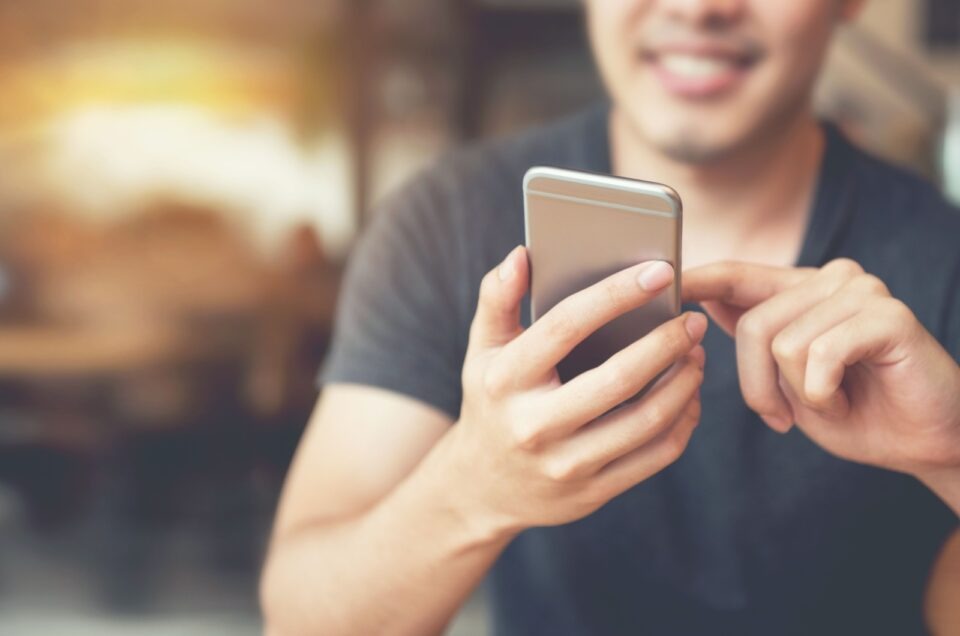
[[625, 184], [628, 185]]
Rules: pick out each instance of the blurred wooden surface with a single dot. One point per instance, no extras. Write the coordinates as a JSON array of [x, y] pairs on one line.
[[45, 352]]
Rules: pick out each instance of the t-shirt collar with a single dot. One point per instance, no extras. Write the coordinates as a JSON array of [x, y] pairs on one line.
[[833, 201]]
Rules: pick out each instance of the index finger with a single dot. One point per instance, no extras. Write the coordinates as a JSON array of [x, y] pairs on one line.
[[740, 284], [536, 352]]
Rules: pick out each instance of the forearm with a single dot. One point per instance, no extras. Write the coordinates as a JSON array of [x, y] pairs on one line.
[[404, 567]]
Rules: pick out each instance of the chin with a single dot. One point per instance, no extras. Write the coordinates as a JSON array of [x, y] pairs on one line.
[[705, 129], [692, 142], [688, 145]]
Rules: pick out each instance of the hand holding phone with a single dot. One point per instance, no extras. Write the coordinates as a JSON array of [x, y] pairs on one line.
[[529, 450], [582, 228]]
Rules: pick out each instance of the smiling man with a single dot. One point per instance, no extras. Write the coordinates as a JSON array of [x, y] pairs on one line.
[[821, 485]]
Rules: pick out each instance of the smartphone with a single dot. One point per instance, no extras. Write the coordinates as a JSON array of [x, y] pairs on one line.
[[583, 227]]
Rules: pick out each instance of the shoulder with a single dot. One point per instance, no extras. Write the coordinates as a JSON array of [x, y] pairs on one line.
[[907, 203], [489, 168], [473, 195], [901, 219], [908, 232]]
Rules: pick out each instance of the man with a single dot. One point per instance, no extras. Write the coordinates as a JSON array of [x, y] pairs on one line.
[[816, 494]]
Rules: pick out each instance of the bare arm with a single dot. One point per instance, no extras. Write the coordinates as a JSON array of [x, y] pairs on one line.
[[361, 543]]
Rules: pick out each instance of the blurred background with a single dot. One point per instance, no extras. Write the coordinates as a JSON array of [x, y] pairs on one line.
[[180, 183]]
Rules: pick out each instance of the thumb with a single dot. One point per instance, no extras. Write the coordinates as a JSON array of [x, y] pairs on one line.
[[497, 320]]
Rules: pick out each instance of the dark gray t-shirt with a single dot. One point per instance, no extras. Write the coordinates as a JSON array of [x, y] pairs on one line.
[[750, 532]]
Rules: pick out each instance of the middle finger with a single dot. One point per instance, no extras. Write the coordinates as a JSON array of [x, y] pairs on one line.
[[756, 365]]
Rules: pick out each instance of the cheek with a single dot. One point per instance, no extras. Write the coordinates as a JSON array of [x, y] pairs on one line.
[[799, 29], [613, 12], [795, 19], [610, 24]]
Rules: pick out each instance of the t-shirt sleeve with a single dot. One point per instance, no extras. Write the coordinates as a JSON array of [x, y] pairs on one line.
[[397, 325]]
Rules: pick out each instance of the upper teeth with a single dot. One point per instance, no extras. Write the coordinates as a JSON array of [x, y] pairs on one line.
[[694, 65]]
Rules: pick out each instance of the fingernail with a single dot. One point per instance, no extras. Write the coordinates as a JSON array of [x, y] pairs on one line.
[[778, 423], [507, 267], [655, 275], [696, 324]]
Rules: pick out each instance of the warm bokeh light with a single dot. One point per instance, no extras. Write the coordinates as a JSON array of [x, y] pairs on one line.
[[110, 159], [113, 124], [81, 74]]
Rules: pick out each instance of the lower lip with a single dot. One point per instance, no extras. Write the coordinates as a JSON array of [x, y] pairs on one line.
[[698, 87]]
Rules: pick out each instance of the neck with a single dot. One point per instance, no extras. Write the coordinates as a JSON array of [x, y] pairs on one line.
[[767, 185]]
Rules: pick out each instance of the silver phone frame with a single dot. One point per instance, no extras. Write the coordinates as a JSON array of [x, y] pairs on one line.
[[636, 186]]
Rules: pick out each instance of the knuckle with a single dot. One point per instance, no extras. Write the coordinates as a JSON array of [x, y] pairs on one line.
[[785, 348], [871, 284], [675, 444], [675, 339], [617, 383], [595, 496], [699, 376], [751, 326], [807, 399], [731, 269], [736, 271], [525, 435], [488, 285], [616, 377], [496, 381], [653, 416], [615, 293], [561, 326], [843, 267], [560, 469], [691, 378], [759, 401], [695, 410], [819, 349], [898, 312], [817, 396]]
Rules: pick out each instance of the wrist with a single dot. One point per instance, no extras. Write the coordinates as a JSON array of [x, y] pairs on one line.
[[447, 479]]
